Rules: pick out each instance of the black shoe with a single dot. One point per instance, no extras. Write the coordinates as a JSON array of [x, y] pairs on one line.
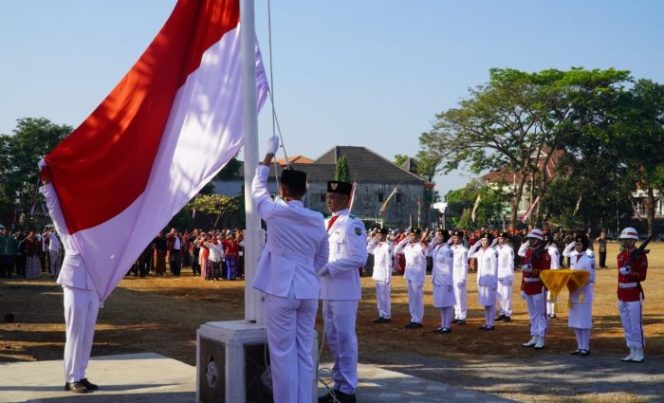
[[409, 325], [460, 322], [575, 352], [76, 387], [89, 384], [337, 396], [488, 328], [437, 330], [501, 317], [386, 320], [379, 320], [444, 330], [507, 319], [584, 353], [413, 325]]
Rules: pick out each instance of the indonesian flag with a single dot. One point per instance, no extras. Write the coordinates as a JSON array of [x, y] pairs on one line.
[[167, 128], [473, 215], [529, 212]]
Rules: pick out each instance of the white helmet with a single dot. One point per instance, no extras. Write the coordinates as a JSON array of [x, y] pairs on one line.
[[536, 233], [629, 233]]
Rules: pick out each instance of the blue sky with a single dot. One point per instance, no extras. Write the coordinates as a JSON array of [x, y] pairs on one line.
[[366, 72]]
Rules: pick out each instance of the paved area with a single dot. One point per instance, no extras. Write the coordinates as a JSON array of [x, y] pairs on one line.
[[151, 377]]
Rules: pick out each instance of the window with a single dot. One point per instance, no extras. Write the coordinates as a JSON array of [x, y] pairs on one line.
[[322, 197], [381, 196]]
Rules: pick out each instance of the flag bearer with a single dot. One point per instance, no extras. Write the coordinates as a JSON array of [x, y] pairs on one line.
[[443, 289], [631, 273], [382, 250], [535, 259]]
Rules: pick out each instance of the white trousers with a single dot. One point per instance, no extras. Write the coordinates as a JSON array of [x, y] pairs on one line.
[[446, 317], [290, 334], [81, 309], [461, 302], [383, 299], [504, 296], [339, 318], [631, 318], [537, 313], [550, 304], [582, 338], [54, 262], [489, 315], [415, 301]]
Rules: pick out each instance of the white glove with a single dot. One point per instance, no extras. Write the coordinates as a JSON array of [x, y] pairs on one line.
[[625, 270], [324, 271], [527, 268], [272, 145]]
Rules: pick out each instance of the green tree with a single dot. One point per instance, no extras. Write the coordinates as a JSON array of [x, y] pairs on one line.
[[31, 140], [342, 172], [639, 139], [516, 123], [214, 206], [460, 203], [399, 159]]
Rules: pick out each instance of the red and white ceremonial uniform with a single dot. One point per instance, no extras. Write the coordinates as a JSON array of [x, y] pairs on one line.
[[534, 290], [630, 299]]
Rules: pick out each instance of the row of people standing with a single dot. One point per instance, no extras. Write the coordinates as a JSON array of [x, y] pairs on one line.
[[28, 253], [495, 277]]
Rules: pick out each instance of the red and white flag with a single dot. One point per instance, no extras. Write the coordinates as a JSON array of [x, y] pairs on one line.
[[473, 214], [383, 208], [528, 213], [167, 128]]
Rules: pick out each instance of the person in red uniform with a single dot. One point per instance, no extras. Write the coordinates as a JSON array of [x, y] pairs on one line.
[[631, 272], [535, 259], [232, 251]]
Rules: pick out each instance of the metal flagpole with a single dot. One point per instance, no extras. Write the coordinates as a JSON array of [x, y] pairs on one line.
[[253, 304]]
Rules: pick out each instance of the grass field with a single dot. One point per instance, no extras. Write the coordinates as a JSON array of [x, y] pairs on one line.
[[162, 314]]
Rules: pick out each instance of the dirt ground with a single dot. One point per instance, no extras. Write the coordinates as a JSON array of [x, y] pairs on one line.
[[162, 314]]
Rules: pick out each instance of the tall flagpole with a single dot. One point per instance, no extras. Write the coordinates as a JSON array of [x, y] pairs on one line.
[[253, 305]]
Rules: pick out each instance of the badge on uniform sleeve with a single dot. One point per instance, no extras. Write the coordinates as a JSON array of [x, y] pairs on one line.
[[358, 231]]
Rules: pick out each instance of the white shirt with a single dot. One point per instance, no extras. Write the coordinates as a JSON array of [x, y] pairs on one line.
[[460, 269], [416, 260], [505, 263], [216, 251], [53, 242], [296, 245], [555, 256], [347, 237], [443, 264], [487, 265], [382, 267]]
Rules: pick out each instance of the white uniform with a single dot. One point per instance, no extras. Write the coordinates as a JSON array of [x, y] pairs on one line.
[[296, 247], [580, 312], [459, 275], [414, 274], [505, 278], [341, 293], [487, 279], [81, 301], [382, 275], [553, 251], [443, 284]]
